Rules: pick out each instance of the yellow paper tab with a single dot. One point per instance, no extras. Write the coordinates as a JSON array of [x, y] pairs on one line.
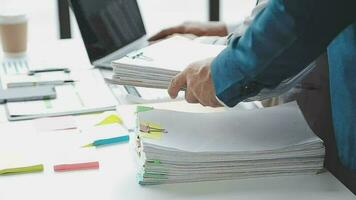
[[152, 134], [111, 119]]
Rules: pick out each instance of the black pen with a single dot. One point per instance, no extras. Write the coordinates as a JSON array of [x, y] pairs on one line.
[[33, 72]]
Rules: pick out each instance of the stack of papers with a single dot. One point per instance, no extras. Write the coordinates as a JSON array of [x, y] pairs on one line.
[[154, 66], [175, 147]]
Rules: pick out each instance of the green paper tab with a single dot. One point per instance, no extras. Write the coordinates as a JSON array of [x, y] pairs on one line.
[[155, 175], [154, 161], [18, 170], [143, 109]]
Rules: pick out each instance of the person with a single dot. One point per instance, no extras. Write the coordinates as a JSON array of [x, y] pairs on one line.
[[212, 32], [280, 42], [221, 34]]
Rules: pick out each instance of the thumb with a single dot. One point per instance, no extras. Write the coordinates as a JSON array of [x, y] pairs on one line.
[[178, 82]]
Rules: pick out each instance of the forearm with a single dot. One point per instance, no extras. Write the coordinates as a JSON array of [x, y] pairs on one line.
[[280, 42]]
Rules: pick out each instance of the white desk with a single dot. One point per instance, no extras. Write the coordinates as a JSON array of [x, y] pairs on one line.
[[116, 180], [116, 177]]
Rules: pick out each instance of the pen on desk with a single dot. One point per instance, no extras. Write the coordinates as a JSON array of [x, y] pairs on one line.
[[18, 170], [32, 84], [32, 72], [108, 141]]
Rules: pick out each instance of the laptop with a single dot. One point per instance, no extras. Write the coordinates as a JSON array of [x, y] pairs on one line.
[[110, 29]]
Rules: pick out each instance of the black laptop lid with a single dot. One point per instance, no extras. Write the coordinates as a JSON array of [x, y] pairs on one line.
[[107, 25]]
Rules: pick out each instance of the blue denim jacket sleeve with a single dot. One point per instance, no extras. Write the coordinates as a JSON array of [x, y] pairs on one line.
[[342, 70], [282, 40]]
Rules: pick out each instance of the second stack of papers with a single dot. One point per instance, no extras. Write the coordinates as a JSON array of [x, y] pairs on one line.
[[226, 145], [154, 66]]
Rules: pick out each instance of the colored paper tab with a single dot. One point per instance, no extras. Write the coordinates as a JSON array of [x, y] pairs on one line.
[[152, 134], [108, 141], [76, 166], [18, 170], [119, 139], [55, 123], [143, 108], [154, 161], [111, 119]]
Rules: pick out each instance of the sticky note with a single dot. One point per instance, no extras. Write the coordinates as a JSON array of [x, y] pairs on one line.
[[151, 134], [111, 119], [18, 170], [160, 175], [108, 141], [154, 161], [143, 108], [76, 166]]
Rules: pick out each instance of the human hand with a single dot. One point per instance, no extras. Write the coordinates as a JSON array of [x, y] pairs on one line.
[[199, 85], [195, 28]]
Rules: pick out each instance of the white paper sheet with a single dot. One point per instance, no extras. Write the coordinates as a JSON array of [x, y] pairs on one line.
[[255, 130]]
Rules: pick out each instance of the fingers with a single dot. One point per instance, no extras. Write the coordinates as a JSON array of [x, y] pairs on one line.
[[178, 82], [190, 98], [166, 32], [196, 78], [215, 103]]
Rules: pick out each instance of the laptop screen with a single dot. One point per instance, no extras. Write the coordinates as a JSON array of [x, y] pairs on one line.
[[107, 25]]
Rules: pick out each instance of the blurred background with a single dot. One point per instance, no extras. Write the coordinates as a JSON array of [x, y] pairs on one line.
[[157, 14]]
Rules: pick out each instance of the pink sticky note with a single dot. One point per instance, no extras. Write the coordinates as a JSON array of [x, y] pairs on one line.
[[76, 166]]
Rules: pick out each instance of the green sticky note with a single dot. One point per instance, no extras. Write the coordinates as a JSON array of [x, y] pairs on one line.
[[18, 170], [155, 175], [154, 161], [48, 103], [143, 108], [111, 119]]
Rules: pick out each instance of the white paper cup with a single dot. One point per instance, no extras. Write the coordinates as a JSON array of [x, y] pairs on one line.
[[13, 33]]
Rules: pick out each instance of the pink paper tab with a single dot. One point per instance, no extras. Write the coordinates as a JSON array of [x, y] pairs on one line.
[[49, 124], [76, 166]]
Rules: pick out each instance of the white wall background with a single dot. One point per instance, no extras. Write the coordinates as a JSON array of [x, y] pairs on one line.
[[233, 11], [157, 14]]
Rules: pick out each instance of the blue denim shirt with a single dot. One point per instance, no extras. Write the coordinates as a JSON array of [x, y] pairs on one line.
[[284, 39]]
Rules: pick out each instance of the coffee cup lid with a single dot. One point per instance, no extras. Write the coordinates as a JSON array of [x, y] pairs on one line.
[[12, 18]]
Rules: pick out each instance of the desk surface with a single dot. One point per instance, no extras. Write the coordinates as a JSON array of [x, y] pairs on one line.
[[116, 180], [116, 177]]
